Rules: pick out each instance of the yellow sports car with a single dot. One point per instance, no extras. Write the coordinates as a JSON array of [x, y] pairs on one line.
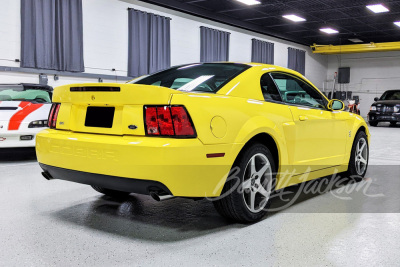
[[230, 132]]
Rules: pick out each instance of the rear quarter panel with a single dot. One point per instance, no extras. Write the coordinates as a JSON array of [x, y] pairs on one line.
[[239, 120]]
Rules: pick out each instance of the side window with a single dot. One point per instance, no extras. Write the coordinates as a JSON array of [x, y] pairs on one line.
[[268, 88], [296, 91], [157, 83]]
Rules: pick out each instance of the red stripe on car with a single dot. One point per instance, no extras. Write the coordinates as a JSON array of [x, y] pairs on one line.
[[17, 118]]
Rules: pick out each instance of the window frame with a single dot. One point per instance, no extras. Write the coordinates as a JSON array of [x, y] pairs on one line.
[[307, 83], [279, 92]]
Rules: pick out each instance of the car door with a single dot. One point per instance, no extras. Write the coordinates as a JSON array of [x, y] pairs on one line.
[[319, 133]]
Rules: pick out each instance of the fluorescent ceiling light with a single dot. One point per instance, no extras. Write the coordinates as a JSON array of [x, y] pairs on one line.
[[378, 8], [328, 30], [294, 18], [355, 40], [397, 23], [250, 2]]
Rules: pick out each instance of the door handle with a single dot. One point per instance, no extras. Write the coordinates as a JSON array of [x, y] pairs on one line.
[[303, 118]]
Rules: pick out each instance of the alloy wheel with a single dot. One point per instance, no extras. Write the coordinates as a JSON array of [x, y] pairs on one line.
[[257, 183], [361, 157]]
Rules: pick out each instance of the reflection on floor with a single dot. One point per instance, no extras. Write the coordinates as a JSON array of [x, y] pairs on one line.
[[60, 223]]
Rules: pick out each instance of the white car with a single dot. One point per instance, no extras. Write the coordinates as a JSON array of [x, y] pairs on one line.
[[24, 111]]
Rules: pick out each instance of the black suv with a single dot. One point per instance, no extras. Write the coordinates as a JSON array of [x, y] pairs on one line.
[[385, 109]]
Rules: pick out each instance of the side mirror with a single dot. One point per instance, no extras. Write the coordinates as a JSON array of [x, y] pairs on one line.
[[335, 104], [376, 98]]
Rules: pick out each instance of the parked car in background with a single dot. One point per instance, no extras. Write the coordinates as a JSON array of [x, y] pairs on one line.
[[24, 110], [181, 131], [385, 109]]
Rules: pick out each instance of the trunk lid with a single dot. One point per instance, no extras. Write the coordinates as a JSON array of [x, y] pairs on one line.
[[107, 108]]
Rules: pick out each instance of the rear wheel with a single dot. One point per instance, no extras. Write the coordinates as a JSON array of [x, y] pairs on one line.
[[393, 123], [373, 123], [358, 163], [248, 200], [110, 192]]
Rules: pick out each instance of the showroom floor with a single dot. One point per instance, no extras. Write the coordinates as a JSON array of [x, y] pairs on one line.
[[55, 222]]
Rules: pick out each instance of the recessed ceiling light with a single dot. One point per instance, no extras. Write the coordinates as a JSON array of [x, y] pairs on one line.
[[355, 40], [294, 18], [378, 8], [329, 30], [250, 2], [397, 23]]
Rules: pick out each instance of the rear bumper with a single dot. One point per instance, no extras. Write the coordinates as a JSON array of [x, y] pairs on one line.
[[383, 117], [111, 182], [180, 165]]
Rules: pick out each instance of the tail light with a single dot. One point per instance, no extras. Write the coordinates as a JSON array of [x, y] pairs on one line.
[[171, 121], [52, 121]]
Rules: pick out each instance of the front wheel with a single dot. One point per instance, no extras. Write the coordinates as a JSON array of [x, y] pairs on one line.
[[359, 157], [373, 123], [393, 123], [245, 197]]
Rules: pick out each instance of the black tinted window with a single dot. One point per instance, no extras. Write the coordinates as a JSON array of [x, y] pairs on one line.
[[391, 95], [206, 77], [269, 90]]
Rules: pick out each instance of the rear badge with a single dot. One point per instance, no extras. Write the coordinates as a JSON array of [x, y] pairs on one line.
[[3, 139], [132, 127]]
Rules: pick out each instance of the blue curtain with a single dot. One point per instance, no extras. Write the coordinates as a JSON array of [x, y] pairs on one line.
[[149, 43], [52, 35], [262, 52], [297, 60], [214, 45]]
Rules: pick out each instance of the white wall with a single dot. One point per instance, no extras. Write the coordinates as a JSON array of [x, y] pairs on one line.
[[105, 25], [370, 74]]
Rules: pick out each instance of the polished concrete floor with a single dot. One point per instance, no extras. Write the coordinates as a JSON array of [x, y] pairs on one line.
[[47, 223]]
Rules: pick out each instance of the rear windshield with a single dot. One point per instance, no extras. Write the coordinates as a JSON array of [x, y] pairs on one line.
[[205, 77], [391, 95], [19, 93]]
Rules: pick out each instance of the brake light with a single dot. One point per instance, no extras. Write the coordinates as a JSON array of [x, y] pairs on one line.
[[165, 121], [182, 123], [151, 121], [52, 121], [171, 121]]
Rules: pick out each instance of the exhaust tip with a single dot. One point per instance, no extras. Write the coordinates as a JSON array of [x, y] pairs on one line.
[[47, 176], [155, 196], [160, 196]]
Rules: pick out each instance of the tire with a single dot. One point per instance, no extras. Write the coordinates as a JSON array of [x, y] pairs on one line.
[[236, 198], [110, 192], [393, 123], [373, 123], [359, 157]]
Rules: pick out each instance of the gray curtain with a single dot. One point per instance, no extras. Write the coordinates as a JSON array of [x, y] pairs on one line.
[[52, 35], [262, 52], [149, 43], [214, 45], [297, 60]]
